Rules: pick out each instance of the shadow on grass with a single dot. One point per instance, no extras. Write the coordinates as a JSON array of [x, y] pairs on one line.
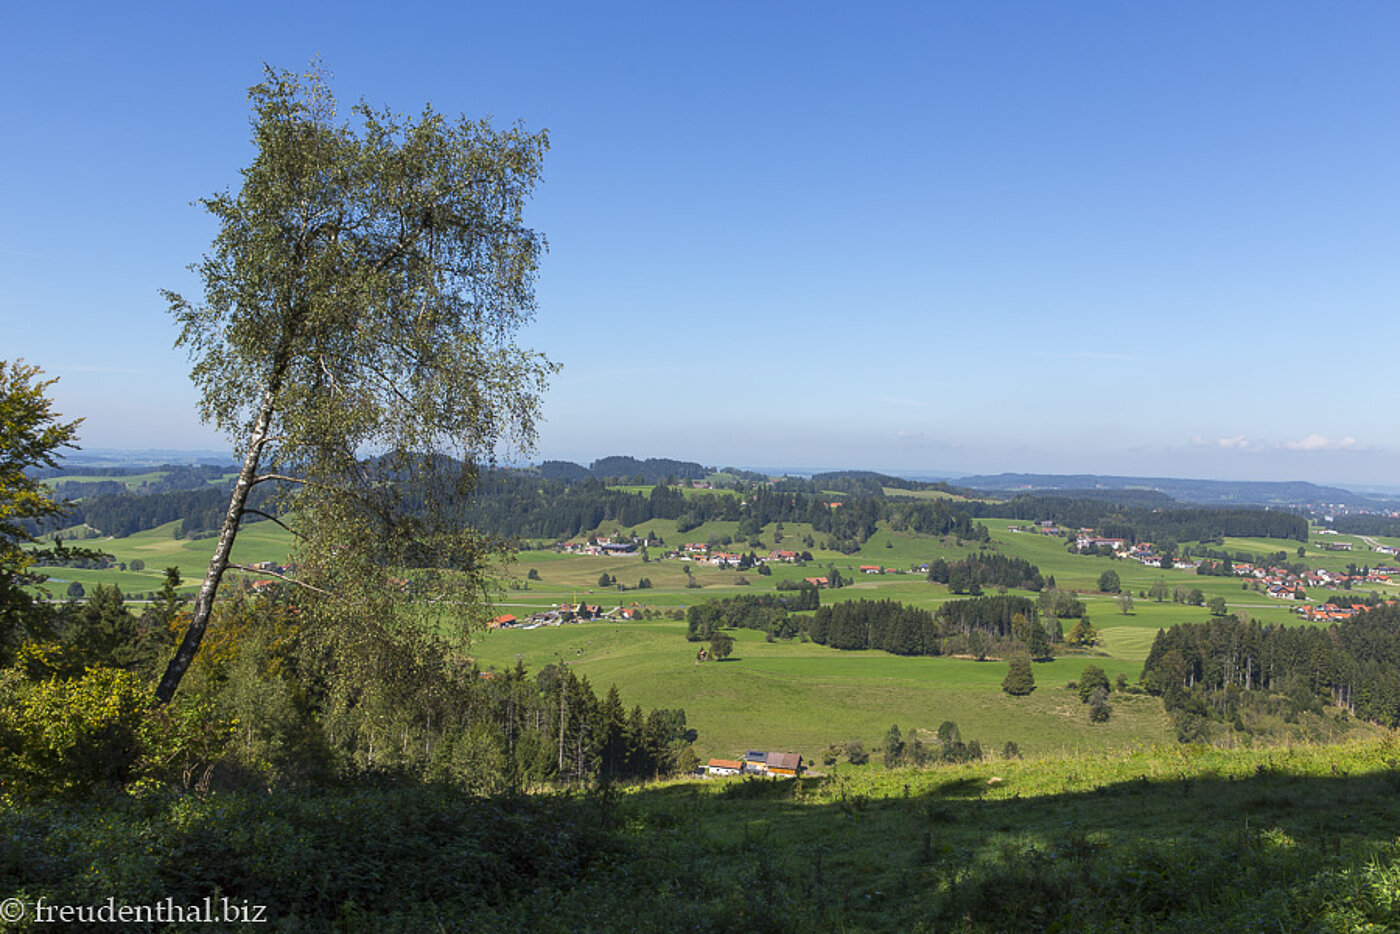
[[992, 846]]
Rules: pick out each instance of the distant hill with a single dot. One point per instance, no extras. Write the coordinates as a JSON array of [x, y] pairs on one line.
[[652, 470], [1204, 492]]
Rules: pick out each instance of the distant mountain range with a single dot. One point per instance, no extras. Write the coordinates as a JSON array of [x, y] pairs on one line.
[[1205, 492], [148, 457]]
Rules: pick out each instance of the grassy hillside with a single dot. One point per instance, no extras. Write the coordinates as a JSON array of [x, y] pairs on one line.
[[160, 549], [1157, 839], [800, 697]]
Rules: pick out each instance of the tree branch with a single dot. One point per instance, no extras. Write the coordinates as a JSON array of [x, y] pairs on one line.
[[291, 580], [276, 476], [271, 518]]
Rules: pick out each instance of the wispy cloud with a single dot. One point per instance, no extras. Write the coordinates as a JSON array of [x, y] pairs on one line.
[[1313, 442], [1316, 442], [1237, 443]]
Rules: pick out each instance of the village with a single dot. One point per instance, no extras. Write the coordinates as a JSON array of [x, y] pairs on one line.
[[1273, 581], [1276, 582]]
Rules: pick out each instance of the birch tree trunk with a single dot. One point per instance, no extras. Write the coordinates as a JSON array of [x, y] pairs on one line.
[[218, 564]]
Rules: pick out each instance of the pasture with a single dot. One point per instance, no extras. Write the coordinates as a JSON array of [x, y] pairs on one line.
[[797, 695], [801, 697]]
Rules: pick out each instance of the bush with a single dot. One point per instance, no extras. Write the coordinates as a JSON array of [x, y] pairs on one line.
[[1091, 680], [1099, 709], [60, 735]]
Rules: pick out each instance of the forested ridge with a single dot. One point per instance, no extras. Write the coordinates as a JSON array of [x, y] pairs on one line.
[[1219, 668], [1134, 524]]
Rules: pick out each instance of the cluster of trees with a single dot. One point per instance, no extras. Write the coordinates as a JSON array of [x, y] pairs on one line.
[[768, 613], [522, 505], [362, 293], [1093, 688], [1366, 524], [558, 503], [1113, 519], [267, 704], [905, 749], [978, 626], [985, 569], [165, 476], [1221, 668]]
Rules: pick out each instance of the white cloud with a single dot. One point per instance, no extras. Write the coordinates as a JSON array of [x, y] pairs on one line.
[[1316, 442], [1237, 443], [1313, 442]]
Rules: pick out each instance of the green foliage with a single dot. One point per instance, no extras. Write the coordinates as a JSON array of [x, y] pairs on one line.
[[31, 436], [1155, 839], [1092, 679], [1083, 634], [362, 293], [1019, 680], [894, 747], [1108, 581], [1099, 708], [61, 735]]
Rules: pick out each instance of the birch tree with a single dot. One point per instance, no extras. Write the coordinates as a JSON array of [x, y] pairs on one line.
[[355, 339]]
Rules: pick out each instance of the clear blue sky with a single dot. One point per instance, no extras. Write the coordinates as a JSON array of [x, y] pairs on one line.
[[1054, 237]]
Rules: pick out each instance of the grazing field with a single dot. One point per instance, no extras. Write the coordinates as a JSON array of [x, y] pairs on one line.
[[797, 695], [801, 697], [160, 549]]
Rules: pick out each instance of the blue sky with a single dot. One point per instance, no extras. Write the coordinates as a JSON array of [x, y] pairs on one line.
[[1074, 237]]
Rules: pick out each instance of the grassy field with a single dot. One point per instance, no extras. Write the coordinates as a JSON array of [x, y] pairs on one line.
[[1149, 839], [800, 696], [797, 695], [160, 549]]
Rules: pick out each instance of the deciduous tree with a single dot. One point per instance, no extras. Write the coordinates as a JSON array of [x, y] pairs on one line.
[[361, 298], [32, 434]]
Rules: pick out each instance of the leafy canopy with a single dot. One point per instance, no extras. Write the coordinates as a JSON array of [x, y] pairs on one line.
[[355, 339], [31, 435]]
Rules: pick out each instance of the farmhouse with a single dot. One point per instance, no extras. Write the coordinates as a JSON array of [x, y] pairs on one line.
[[724, 767], [784, 764]]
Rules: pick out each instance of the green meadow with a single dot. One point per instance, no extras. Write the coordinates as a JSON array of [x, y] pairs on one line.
[[802, 697], [160, 549], [797, 695]]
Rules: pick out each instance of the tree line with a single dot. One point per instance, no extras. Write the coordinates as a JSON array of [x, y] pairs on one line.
[[978, 626], [1222, 668], [271, 702], [1140, 524]]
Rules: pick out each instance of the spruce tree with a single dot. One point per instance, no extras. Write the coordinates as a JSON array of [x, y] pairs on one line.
[[1019, 680]]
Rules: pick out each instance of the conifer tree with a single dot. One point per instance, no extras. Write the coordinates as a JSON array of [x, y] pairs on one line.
[[1019, 680]]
